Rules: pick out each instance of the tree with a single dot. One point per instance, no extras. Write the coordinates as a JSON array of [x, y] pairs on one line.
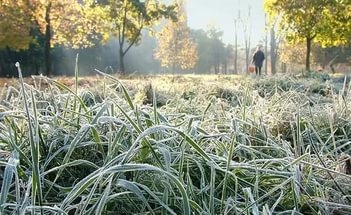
[[14, 27], [273, 51], [275, 41], [217, 48], [266, 47], [236, 46], [70, 23], [246, 26], [126, 19], [64, 22], [204, 50], [212, 52], [336, 30], [292, 54], [176, 48], [308, 20], [228, 56]]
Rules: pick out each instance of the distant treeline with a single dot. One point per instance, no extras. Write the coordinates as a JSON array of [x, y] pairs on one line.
[[214, 57], [102, 57], [141, 58]]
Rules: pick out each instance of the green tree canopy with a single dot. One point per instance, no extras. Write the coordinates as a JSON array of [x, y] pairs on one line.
[[125, 20], [217, 47], [323, 21], [213, 53]]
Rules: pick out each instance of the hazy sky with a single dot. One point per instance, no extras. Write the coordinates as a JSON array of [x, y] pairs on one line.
[[221, 14]]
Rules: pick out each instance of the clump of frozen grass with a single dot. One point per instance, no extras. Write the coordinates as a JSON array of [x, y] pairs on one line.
[[202, 155]]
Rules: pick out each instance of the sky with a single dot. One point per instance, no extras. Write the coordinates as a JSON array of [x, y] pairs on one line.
[[222, 13]]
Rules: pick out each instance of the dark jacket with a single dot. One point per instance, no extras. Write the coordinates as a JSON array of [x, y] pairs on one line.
[[258, 58]]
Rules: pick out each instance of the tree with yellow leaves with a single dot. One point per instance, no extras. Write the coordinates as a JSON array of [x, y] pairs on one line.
[[69, 23], [322, 21], [14, 27], [176, 49]]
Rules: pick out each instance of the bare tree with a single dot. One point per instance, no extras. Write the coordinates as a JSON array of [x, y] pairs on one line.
[[275, 41], [246, 24], [266, 45], [236, 47], [273, 51]]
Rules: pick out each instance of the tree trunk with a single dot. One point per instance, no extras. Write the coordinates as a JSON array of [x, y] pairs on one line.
[[284, 67], [2, 64], [121, 60], [216, 68], [224, 67], [266, 47], [247, 34], [47, 47], [247, 53], [308, 53], [236, 49], [273, 52], [122, 39]]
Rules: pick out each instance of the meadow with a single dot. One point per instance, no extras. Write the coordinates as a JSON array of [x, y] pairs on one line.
[[181, 144]]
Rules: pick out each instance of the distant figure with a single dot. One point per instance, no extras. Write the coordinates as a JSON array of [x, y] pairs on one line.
[[257, 60]]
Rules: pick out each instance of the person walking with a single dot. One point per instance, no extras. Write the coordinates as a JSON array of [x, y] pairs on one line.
[[258, 59]]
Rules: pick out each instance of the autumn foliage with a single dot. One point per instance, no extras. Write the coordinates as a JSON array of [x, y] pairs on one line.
[[322, 21], [77, 23], [176, 48]]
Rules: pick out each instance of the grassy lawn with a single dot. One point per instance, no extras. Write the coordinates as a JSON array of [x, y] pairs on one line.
[[187, 144]]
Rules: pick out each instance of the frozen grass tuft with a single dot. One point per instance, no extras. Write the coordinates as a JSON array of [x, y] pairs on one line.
[[217, 145]]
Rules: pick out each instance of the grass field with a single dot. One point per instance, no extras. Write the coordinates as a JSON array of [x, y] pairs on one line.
[[187, 144]]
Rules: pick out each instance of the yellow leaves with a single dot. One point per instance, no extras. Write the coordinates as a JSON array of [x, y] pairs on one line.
[[76, 23], [327, 22], [175, 46], [71, 23], [14, 26], [128, 17], [16, 42], [293, 53], [105, 37], [270, 7], [152, 6]]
